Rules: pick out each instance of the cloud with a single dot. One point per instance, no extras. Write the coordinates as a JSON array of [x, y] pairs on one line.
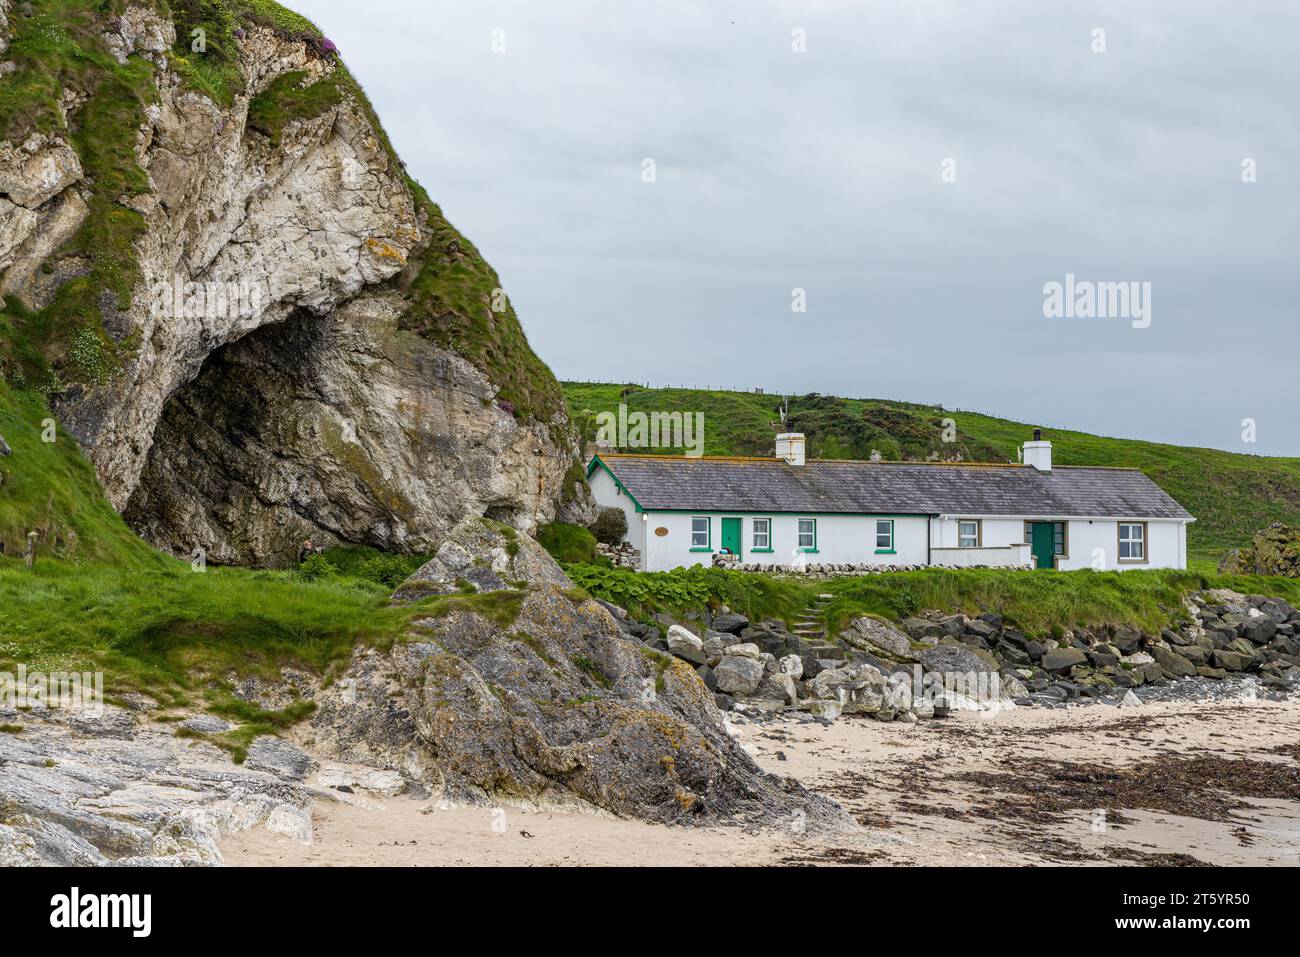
[[821, 170]]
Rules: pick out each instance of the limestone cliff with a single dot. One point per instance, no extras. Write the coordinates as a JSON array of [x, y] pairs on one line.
[[258, 327]]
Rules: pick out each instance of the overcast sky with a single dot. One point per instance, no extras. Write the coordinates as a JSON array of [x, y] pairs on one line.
[[823, 171]]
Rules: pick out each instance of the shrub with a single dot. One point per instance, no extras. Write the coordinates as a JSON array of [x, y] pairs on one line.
[[317, 567], [567, 543], [610, 526]]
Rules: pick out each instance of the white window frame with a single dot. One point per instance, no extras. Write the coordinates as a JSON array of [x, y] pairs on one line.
[[1140, 540], [884, 549], [974, 537], [799, 533], [708, 533], [765, 543]]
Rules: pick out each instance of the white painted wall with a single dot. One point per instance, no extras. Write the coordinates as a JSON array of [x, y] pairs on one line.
[[991, 556], [1099, 539], [1166, 545], [841, 539], [607, 493], [994, 532]]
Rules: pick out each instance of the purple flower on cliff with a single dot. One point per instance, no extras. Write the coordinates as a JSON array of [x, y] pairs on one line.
[[505, 405], [327, 47]]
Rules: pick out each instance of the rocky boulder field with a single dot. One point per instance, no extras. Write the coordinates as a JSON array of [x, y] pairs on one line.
[[766, 667]]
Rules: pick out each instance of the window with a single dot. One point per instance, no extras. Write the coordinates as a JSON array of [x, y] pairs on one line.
[[762, 534], [1132, 542], [701, 539], [808, 534], [885, 535], [968, 534]]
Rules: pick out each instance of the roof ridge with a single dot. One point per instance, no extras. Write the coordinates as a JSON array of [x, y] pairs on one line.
[[673, 458], [771, 460]]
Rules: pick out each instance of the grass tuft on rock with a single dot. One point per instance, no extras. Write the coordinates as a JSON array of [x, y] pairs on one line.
[[287, 100]]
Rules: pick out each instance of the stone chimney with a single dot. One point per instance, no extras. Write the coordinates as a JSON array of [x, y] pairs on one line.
[[1038, 453], [789, 446]]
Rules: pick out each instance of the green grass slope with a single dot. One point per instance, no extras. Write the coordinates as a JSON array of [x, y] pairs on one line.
[[1231, 495], [50, 488]]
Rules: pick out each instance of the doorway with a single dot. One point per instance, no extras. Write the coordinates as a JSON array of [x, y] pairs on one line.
[[731, 536]]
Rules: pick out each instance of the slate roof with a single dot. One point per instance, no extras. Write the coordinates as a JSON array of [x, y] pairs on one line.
[[888, 488]]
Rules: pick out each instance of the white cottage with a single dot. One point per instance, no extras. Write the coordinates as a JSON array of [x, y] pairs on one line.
[[788, 511]]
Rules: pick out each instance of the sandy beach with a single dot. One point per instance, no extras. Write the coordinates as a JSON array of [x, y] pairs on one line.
[[1179, 783]]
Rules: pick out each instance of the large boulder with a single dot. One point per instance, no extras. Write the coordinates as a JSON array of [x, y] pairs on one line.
[[532, 692], [738, 675], [1063, 659], [1259, 630], [730, 623], [856, 689], [687, 646], [876, 634], [956, 659], [1231, 660], [791, 665], [1173, 664]]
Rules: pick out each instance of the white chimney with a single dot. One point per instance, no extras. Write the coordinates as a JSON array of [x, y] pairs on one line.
[[789, 446], [1038, 453]]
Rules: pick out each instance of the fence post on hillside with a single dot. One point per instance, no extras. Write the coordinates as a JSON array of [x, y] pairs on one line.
[[29, 556]]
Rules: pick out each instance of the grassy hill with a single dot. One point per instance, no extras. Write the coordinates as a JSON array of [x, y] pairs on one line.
[[1231, 495]]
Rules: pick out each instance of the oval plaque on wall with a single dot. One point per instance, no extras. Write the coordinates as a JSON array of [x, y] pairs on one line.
[[661, 531]]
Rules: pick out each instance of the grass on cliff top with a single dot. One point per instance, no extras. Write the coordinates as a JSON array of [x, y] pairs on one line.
[[1232, 495]]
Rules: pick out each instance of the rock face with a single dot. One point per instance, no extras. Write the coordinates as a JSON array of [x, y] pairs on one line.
[[525, 689], [306, 348], [116, 791]]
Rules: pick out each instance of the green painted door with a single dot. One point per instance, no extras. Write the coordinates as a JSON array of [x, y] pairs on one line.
[[1042, 544], [731, 535]]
